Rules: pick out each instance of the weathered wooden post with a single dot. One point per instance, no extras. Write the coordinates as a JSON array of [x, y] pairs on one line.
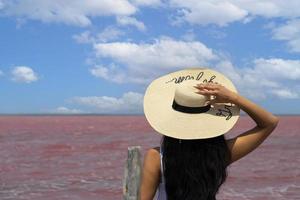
[[132, 174]]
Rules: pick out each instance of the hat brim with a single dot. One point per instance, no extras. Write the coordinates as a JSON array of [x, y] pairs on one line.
[[165, 120]]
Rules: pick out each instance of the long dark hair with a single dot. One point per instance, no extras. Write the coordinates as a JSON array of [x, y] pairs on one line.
[[194, 169]]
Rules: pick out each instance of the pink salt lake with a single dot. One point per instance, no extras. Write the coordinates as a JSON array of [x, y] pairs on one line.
[[83, 157]]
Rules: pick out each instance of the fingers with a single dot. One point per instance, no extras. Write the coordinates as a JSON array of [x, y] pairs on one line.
[[207, 86]]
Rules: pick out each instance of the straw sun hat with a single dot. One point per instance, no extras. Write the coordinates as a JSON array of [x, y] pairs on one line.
[[172, 107]]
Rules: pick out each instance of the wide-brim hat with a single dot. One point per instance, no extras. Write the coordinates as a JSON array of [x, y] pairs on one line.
[[172, 107]]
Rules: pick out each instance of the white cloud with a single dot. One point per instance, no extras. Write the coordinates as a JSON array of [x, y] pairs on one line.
[[129, 102], [209, 12], [110, 33], [112, 73], [270, 8], [189, 36], [84, 37], [80, 13], [278, 69], [217, 34], [142, 62], [1, 73], [65, 110], [146, 60], [227, 11], [152, 3], [275, 77], [285, 94], [1, 4], [23, 74], [125, 21], [74, 12], [289, 32]]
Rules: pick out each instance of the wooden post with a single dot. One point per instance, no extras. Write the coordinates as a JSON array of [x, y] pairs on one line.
[[132, 174]]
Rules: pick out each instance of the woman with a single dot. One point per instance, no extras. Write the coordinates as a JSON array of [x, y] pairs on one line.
[[193, 167]]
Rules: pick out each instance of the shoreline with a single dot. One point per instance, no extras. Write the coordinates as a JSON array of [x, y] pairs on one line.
[[97, 114]]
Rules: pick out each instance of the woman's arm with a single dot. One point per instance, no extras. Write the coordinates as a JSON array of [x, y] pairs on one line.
[[246, 142], [251, 139], [150, 175]]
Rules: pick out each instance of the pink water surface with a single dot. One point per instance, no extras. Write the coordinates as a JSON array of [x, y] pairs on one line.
[[83, 157]]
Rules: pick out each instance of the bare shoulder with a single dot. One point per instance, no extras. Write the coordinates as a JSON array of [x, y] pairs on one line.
[[150, 174], [152, 158], [153, 153]]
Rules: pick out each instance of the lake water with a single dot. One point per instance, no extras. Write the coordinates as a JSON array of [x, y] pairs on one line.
[[83, 157]]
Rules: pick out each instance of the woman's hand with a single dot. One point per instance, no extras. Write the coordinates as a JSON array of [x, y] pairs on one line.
[[221, 93]]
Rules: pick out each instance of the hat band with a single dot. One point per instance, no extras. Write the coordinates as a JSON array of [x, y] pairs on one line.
[[187, 109]]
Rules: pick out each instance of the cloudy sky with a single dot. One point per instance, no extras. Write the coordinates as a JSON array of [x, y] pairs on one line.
[[97, 56]]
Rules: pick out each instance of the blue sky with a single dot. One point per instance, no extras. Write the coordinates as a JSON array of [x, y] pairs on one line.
[[72, 56]]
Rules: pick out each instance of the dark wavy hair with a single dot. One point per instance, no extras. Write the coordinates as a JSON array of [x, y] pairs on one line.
[[194, 169]]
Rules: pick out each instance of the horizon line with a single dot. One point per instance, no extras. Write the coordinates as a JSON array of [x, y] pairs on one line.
[[107, 114]]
